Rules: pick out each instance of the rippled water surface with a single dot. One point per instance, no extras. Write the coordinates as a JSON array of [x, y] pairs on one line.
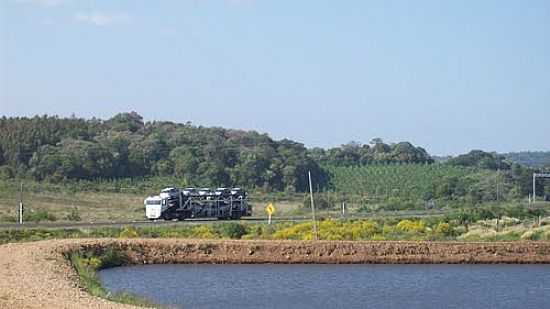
[[336, 286]]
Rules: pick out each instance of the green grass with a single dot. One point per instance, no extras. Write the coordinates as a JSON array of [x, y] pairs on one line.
[[120, 200], [87, 263], [459, 225], [404, 181]]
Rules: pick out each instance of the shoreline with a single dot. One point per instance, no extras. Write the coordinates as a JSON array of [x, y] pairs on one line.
[[37, 274]]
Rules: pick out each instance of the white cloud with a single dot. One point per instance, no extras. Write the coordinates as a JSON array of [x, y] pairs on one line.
[[102, 19], [43, 3]]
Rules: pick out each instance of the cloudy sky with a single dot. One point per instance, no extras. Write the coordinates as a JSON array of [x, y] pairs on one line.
[[448, 75]]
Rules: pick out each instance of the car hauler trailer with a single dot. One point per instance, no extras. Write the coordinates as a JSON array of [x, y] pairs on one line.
[[173, 203]]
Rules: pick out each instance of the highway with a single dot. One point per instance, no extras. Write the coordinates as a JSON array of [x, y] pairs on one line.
[[144, 223]]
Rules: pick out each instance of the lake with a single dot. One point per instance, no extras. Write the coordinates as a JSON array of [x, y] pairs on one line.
[[335, 286]]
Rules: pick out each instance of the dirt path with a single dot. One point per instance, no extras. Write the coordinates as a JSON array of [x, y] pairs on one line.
[[35, 275]]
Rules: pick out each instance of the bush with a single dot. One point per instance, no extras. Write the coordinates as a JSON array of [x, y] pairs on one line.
[[203, 231], [74, 215], [232, 230], [300, 231], [128, 232], [112, 258], [532, 235], [6, 172], [444, 228], [411, 226]]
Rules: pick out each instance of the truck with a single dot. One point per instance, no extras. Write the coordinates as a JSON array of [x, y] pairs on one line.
[[186, 203]]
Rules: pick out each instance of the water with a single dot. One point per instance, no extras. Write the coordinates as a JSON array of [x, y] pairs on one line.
[[336, 286]]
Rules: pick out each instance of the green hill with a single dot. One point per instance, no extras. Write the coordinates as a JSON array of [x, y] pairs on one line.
[[414, 181]]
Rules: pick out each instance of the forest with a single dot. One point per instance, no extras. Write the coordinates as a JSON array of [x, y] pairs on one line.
[[58, 150]]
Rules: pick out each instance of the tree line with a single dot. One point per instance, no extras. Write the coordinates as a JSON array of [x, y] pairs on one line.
[[56, 149], [59, 149]]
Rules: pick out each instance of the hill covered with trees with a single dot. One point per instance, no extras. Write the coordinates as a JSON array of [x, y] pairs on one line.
[[57, 149], [54, 149], [377, 152]]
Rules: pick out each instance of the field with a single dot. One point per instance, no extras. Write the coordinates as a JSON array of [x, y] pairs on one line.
[[110, 201], [371, 188], [404, 181]]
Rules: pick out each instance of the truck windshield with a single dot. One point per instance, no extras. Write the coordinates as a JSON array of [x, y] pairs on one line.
[[153, 202]]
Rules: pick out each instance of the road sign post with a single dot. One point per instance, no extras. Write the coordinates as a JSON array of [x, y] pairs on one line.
[[270, 209], [21, 205]]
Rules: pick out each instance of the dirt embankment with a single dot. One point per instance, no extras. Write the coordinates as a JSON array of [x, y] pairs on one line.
[[36, 275]]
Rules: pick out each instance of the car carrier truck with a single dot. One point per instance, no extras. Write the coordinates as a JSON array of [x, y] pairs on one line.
[[173, 203]]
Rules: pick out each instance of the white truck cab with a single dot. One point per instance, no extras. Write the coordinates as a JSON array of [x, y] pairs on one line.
[[154, 207]]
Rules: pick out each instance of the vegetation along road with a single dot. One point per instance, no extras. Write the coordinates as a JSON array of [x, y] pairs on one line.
[[66, 225]]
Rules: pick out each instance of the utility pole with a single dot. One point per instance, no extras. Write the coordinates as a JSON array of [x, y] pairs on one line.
[[343, 209], [21, 204], [497, 182], [315, 235], [534, 188]]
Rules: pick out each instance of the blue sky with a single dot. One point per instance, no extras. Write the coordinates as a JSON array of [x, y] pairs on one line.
[[447, 75]]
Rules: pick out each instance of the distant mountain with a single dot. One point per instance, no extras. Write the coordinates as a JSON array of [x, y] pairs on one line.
[[536, 159]]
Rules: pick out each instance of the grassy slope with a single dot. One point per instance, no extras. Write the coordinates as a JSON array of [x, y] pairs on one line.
[[107, 203], [405, 181]]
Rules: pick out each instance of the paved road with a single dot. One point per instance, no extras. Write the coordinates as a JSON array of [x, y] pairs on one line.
[[116, 224]]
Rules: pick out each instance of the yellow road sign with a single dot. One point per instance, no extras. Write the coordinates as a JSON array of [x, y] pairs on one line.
[[270, 209]]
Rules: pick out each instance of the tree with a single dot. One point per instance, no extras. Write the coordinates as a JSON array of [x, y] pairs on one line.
[[480, 159], [126, 122]]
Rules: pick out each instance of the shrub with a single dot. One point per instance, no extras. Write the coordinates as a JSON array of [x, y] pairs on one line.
[[232, 230], [411, 226], [300, 231], [444, 228], [74, 215], [203, 231], [532, 235], [112, 258], [6, 172], [128, 232]]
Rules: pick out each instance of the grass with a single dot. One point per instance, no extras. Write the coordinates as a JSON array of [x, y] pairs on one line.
[[91, 206], [87, 263], [404, 181], [360, 188], [46, 202], [447, 228]]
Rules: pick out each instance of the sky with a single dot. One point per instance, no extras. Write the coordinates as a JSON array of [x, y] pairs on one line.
[[450, 76]]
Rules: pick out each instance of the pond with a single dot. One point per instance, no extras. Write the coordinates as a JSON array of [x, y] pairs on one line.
[[335, 286]]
